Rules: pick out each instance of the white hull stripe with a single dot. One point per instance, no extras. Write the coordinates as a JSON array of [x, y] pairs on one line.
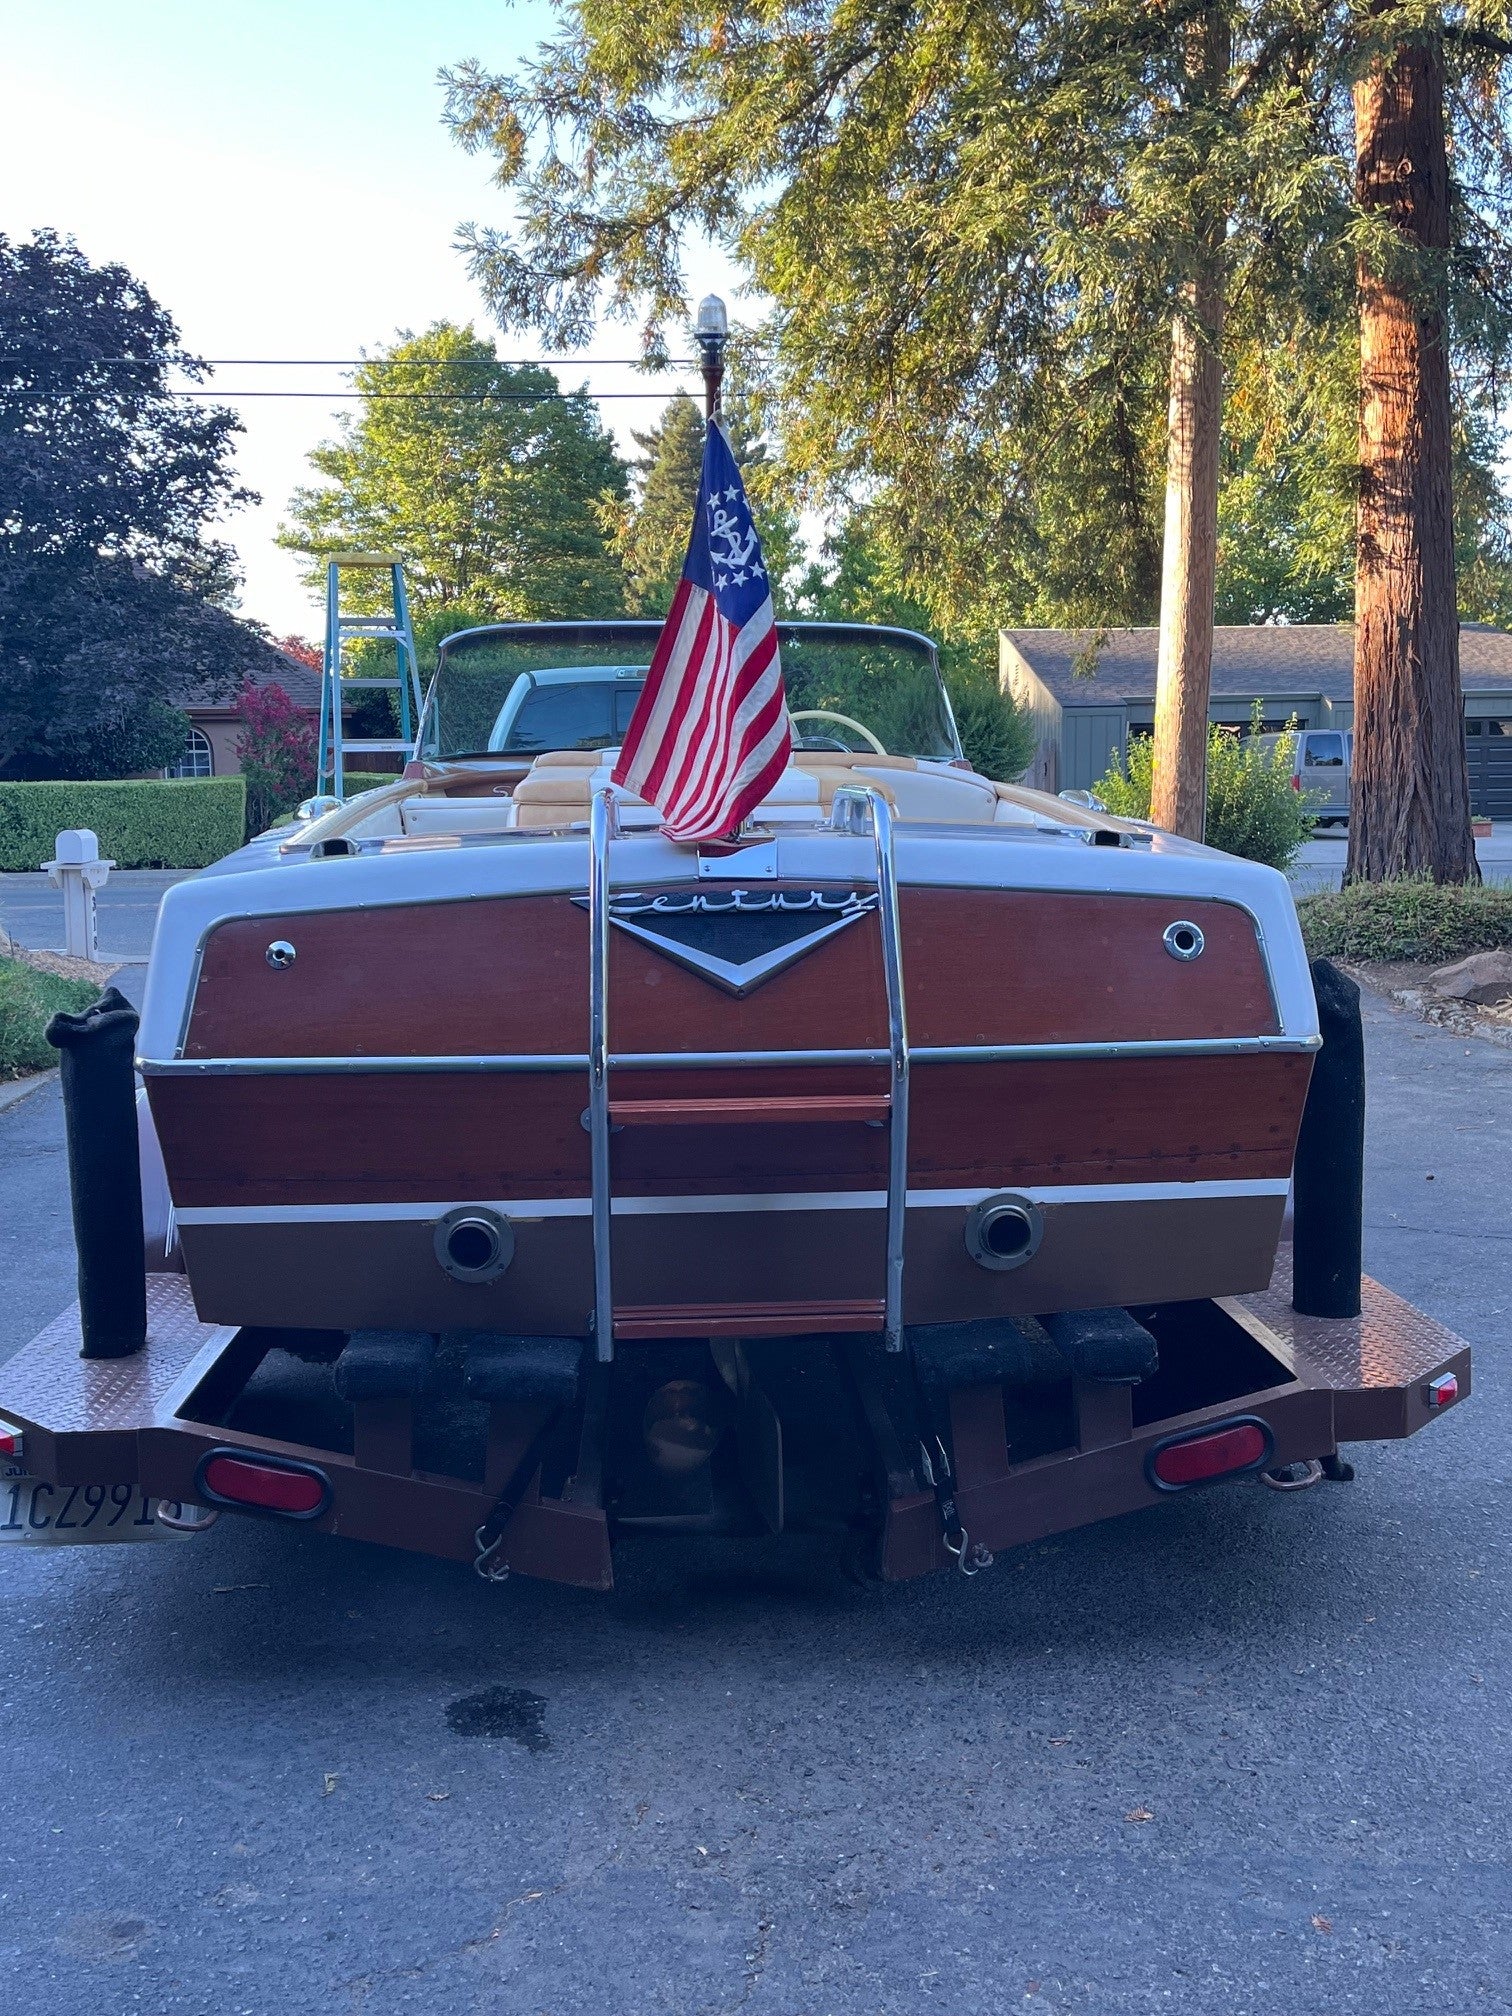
[[677, 1207]]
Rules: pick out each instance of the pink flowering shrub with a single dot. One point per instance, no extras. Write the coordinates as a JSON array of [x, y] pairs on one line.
[[276, 749]]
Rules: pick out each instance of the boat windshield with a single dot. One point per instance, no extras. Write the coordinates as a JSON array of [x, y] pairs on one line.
[[520, 689]]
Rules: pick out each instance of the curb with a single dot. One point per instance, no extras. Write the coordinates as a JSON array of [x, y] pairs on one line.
[[14, 1090]]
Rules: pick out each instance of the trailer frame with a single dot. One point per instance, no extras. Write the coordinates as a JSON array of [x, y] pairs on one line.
[[156, 1418]]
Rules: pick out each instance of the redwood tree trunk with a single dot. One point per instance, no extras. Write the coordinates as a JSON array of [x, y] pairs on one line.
[[1410, 803], [1178, 798]]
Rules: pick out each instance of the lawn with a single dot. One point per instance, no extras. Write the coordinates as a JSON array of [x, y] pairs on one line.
[[27, 999]]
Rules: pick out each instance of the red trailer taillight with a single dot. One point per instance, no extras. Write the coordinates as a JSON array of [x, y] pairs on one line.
[[263, 1484], [12, 1441], [1443, 1391], [1229, 1450]]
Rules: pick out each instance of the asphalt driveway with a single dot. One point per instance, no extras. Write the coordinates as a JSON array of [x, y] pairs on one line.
[[31, 910], [1240, 1753]]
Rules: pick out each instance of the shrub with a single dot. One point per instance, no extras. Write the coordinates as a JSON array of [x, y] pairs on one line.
[[152, 823], [1414, 918], [1252, 807], [996, 734], [276, 750], [27, 999]]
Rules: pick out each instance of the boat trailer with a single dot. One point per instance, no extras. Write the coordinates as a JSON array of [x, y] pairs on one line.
[[786, 1434], [533, 1455]]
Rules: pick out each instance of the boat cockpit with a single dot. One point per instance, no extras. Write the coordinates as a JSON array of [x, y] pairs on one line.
[[523, 722]]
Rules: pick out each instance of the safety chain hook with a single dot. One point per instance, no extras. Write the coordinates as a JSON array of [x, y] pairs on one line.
[[488, 1563]]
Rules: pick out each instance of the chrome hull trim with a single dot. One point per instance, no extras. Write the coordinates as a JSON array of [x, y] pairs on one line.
[[526, 1208], [719, 1060]]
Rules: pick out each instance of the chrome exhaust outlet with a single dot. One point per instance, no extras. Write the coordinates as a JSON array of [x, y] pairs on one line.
[[1004, 1231], [474, 1244]]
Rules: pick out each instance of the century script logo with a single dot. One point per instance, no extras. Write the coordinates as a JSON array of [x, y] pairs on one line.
[[737, 938]]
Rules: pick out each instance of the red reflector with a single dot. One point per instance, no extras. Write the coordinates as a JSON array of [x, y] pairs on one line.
[[1443, 1391], [1205, 1456], [10, 1441], [264, 1485]]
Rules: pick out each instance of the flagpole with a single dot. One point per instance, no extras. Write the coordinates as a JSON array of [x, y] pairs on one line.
[[712, 329]]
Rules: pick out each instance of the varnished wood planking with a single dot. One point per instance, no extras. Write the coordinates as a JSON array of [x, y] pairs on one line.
[[388, 1138], [1039, 966], [511, 974], [408, 979]]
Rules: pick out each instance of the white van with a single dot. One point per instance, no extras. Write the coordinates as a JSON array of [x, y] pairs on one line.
[[1321, 766]]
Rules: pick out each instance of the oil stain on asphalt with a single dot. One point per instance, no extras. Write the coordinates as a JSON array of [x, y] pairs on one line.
[[501, 1711]]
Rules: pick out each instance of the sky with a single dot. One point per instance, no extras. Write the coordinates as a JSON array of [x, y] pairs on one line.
[[277, 174]]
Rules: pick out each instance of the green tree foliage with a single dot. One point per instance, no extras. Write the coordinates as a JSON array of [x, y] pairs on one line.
[[496, 491], [858, 581], [1253, 808], [974, 228], [653, 534], [1286, 511], [1286, 515], [147, 735], [112, 592], [974, 232]]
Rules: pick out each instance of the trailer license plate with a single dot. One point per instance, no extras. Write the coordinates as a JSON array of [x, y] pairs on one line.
[[65, 1515]]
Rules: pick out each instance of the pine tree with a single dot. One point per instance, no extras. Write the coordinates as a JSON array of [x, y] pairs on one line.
[[651, 535]]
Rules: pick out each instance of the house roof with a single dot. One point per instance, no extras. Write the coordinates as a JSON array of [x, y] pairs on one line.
[[267, 666], [1089, 668]]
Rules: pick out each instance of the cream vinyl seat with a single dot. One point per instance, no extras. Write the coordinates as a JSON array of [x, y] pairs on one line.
[[559, 790]]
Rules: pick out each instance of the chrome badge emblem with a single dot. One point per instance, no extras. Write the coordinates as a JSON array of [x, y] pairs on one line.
[[737, 938]]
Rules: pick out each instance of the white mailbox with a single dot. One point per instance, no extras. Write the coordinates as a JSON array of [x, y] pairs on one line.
[[76, 869]]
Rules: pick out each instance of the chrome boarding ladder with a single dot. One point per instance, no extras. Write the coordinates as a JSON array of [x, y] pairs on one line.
[[857, 809], [342, 629]]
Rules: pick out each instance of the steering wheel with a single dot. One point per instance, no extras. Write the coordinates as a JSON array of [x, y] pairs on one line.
[[829, 714]]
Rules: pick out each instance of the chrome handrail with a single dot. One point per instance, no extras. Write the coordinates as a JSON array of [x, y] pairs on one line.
[[603, 825], [851, 803]]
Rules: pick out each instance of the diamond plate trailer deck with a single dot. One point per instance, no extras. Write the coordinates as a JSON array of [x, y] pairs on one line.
[[155, 1418]]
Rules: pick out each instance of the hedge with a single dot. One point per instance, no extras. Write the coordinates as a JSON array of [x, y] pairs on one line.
[[1410, 919], [27, 1000], [152, 823]]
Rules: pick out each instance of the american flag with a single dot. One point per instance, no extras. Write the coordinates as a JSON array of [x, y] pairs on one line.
[[710, 735]]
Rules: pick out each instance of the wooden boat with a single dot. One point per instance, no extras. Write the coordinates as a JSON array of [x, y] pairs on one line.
[[483, 1051]]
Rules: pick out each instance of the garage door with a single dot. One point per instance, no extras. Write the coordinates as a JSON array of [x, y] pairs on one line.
[[1488, 751]]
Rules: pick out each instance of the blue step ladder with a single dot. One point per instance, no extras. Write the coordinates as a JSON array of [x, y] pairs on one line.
[[344, 629]]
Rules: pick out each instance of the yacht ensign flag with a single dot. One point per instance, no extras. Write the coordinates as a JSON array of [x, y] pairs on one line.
[[710, 735]]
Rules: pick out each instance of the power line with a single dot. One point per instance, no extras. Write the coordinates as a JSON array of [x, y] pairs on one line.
[[448, 363], [431, 398], [366, 363]]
